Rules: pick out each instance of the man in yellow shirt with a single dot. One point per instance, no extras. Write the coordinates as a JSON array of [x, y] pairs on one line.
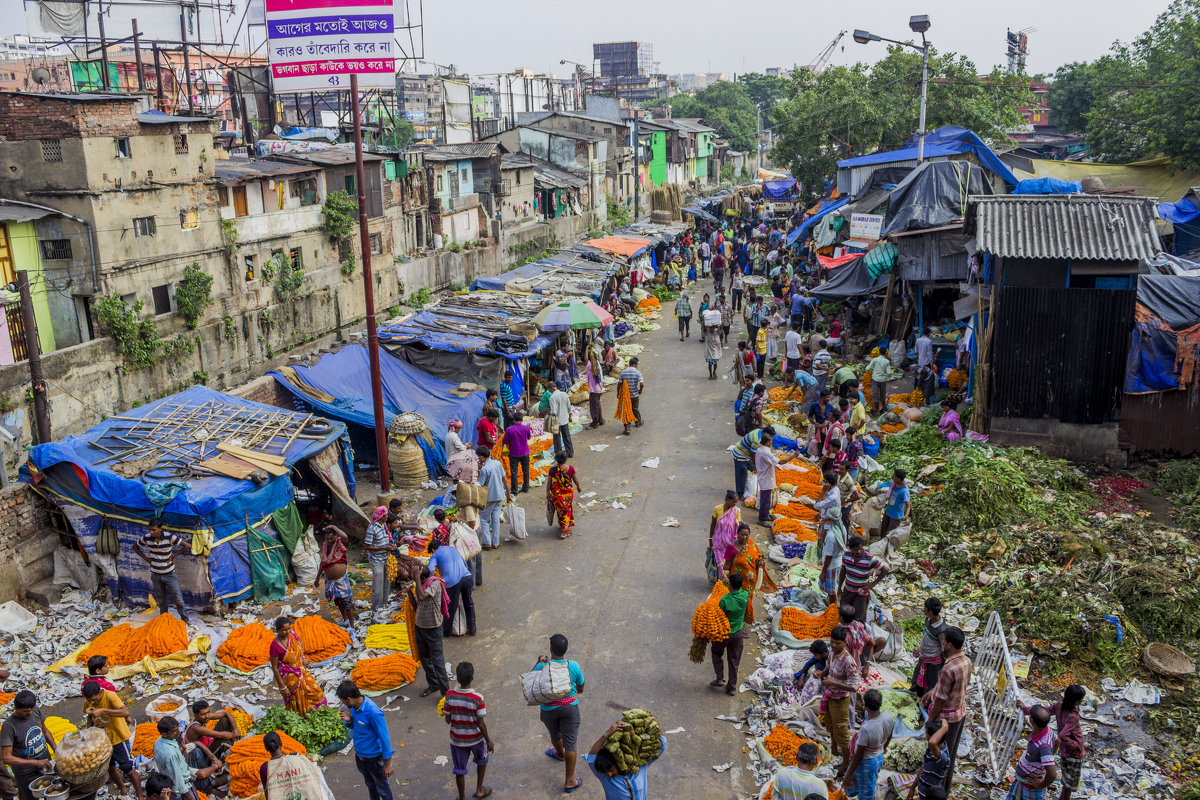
[[858, 413], [105, 709]]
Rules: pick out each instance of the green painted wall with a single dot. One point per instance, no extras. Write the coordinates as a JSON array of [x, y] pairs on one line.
[[26, 255], [702, 167], [704, 144], [658, 157]]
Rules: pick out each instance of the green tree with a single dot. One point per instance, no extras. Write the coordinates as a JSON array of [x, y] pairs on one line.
[[1072, 95], [764, 90], [400, 134], [850, 111], [726, 107]]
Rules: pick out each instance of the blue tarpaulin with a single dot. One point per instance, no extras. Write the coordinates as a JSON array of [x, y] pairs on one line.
[[1179, 213], [434, 330], [346, 375], [948, 140], [825, 206], [781, 191], [69, 471], [1048, 186]]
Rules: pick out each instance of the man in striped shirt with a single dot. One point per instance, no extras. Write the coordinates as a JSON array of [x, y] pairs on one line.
[[464, 711], [948, 700], [855, 581], [159, 549]]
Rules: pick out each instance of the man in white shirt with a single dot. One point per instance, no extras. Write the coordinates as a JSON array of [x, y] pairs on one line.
[[705, 250], [880, 369], [792, 341], [822, 364], [924, 349], [765, 462], [560, 412]]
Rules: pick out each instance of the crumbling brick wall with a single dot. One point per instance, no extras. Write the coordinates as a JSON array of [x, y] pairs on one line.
[[27, 541]]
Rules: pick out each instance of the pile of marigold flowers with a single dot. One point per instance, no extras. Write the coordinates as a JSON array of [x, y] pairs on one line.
[[125, 644], [246, 648], [385, 672]]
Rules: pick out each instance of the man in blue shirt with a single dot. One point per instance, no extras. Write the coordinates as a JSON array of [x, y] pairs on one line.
[[898, 502], [491, 477], [617, 786], [372, 742], [798, 303], [458, 582], [561, 717]]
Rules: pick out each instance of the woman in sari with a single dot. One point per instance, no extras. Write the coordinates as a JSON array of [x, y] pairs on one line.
[[950, 425], [561, 484], [299, 689], [752, 566]]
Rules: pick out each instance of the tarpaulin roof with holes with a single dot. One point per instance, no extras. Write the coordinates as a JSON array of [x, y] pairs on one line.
[[81, 475]]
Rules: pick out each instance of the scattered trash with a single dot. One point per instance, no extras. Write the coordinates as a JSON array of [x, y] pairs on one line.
[[675, 730], [722, 767], [599, 447], [670, 522], [441, 761], [651, 463]]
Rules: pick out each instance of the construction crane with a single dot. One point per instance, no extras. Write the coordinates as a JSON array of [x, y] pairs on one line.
[[822, 59]]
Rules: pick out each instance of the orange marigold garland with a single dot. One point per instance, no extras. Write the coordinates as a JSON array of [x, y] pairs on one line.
[[144, 737], [892, 427], [125, 644], [794, 528], [321, 638], [709, 621], [805, 626], [245, 758], [385, 672], [624, 413], [782, 744], [246, 648]]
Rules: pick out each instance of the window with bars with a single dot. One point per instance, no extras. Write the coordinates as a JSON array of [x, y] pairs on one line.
[[122, 147], [144, 226], [56, 249], [52, 150], [296, 258], [376, 241], [181, 144]]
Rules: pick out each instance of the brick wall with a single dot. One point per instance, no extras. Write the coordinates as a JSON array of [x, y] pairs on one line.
[[24, 117], [265, 390], [27, 543]]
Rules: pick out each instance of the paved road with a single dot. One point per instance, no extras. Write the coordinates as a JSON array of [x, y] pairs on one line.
[[622, 589]]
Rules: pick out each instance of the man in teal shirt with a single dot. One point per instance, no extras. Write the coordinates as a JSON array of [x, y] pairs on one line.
[[734, 606]]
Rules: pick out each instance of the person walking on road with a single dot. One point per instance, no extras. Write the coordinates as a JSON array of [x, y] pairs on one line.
[[561, 485], [560, 412], [491, 476], [372, 742], [428, 596], [632, 384], [617, 786], [458, 582], [465, 710], [595, 386], [561, 717], [729, 652], [765, 462], [948, 700], [160, 549], [683, 312]]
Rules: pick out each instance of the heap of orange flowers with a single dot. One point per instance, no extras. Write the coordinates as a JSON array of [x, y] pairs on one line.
[[957, 379], [144, 738], [125, 644], [805, 626], [782, 744], [794, 528], [246, 648], [914, 398], [797, 511], [321, 638], [167, 707], [651, 303], [500, 453], [892, 427], [245, 758], [709, 621], [385, 672], [6, 697]]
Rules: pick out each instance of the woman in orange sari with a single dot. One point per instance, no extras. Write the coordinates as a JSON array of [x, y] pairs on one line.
[[561, 484], [299, 689], [750, 564]]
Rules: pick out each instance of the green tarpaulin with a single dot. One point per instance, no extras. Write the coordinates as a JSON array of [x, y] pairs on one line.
[[289, 524], [268, 564]]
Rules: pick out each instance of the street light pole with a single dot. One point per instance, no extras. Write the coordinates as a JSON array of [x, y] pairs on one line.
[[924, 95]]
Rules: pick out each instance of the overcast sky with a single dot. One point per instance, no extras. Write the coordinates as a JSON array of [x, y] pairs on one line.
[[484, 36]]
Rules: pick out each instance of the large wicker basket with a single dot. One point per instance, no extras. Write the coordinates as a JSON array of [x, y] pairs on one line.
[[1164, 659]]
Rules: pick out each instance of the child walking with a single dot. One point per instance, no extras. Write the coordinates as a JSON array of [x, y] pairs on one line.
[[1070, 737], [464, 709]]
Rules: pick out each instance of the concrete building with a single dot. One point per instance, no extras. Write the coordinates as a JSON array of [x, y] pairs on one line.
[[624, 59], [579, 154], [133, 189], [618, 167], [455, 208]]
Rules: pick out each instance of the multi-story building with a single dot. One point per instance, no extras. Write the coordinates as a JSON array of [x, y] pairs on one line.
[[624, 59]]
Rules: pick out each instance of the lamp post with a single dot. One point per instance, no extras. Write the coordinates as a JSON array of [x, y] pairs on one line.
[[918, 24]]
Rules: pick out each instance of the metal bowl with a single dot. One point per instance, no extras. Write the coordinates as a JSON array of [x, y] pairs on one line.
[[40, 785]]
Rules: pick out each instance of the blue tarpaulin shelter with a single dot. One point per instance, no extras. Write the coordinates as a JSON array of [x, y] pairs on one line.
[[948, 140], [1184, 215], [824, 207], [1048, 186], [78, 475], [781, 191], [342, 384]]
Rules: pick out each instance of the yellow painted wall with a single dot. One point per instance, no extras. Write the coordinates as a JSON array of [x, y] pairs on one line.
[[26, 255]]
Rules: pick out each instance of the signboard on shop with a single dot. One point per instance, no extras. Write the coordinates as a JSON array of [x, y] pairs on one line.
[[866, 227], [316, 45]]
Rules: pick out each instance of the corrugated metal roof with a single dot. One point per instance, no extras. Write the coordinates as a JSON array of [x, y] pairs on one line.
[[159, 118], [1094, 228], [232, 171], [21, 213], [583, 137], [544, 173], [330, 157], [465, 150]]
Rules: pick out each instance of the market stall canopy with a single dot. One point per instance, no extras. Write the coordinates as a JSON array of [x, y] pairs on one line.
[[852, 280], [569, 273], [1151, 178], [946, 141], [829, 262], [630, 248], [469, 323], [572, 315], [824, 207], [784, 191], [934, 194]]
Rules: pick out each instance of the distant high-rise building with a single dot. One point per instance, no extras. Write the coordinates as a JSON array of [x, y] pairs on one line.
[[624, 59]]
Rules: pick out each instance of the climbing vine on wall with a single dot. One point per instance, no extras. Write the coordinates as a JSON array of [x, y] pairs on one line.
[[339, 215], [193, 294], [137, 339]]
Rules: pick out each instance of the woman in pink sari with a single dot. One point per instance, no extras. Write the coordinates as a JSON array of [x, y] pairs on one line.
[[301, 692], [950, 425]]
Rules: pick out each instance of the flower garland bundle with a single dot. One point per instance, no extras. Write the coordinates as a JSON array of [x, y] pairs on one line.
[[245, 758], [246, 648], [914, 398], [383, 673], [321, 638], [782, 744], [125, 644], [797, 511], [892, 427], [794, 528], [709, 621], [144, 737], [805, 626]]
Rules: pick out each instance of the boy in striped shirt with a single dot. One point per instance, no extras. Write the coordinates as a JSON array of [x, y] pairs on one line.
[[464, 710]]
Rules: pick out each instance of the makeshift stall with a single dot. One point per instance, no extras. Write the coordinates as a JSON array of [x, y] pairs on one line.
[[214, 467]]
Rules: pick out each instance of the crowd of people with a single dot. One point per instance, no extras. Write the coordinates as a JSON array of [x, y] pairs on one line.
[[813, 363]]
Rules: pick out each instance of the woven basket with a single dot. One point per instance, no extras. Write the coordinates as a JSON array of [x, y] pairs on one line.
[[409, 422], [1167, 660], [530, 332], [406, 462]]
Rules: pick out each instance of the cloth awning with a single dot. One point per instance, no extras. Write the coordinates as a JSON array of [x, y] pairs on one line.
[[829, 262], [833, 205], [852, 280]]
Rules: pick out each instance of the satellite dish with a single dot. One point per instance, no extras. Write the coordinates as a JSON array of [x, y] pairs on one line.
[[41, 76]]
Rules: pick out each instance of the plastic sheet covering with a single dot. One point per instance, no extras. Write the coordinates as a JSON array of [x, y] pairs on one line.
[[1048, 186], [945, 141], [852, 280], [1179, 213], [1151, 363], [289, 525], [934, 194], [1175, 299], [780, 191], [824, 207], [346, 375], [268, 563]]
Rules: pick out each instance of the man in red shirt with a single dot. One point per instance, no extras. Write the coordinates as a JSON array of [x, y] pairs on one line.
[[486, 430]]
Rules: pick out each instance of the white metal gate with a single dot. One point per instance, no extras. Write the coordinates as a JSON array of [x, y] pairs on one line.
[[997, 689]]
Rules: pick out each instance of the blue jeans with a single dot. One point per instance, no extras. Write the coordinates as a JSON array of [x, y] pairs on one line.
[[489, 523], [371, 770], [167, 592], [741, 470]]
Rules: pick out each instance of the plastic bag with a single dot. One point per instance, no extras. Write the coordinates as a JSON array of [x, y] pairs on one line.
[[516, 520], [82, 752], [458, 625], [155, 710], [751, 488], [465, 540], [306, 559], [551, 682]]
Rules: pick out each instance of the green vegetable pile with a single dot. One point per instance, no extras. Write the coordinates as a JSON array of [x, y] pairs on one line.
[[903, 706], [322, 726], [637, 745], [664, 293], [1181, 479]]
